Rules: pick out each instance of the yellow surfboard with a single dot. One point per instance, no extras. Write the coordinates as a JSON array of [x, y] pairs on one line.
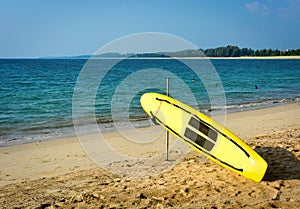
[[204, 135]]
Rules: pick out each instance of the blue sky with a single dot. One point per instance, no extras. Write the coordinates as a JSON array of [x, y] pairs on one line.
[[35, 28]]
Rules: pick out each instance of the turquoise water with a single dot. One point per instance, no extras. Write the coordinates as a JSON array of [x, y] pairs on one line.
[[37, 94]]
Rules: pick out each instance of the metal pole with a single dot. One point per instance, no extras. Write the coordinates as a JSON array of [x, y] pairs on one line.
[[167, 133]]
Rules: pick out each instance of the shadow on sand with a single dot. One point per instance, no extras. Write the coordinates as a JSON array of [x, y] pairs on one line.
[[283, 164]]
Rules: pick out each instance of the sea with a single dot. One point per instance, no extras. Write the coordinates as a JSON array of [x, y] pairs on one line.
[[42, 99]]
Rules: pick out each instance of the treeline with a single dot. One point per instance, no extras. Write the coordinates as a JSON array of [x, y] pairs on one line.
[[185, 53], [227, 51], [234, 51]]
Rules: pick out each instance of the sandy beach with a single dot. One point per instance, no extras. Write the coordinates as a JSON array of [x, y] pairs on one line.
[[58, 173]]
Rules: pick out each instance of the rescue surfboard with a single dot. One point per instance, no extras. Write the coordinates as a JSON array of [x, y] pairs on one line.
[[204, 135]]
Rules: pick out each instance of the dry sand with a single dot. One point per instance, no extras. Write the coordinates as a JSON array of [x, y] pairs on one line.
[[58, 173]]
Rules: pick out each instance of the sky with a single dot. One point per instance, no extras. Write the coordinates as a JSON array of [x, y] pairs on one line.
[[35, 28]]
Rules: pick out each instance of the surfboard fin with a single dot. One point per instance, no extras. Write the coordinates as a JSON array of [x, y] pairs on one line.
[[154, 121]]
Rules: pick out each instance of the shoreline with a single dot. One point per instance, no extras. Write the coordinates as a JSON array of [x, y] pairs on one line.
[[59, 173], [257, 122], [15, 141]]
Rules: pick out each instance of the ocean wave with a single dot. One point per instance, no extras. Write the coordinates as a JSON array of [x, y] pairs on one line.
[[253, 105]]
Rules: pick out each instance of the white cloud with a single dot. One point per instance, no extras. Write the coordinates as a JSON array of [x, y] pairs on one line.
[[257, 8], [291, 9], [254, 6], [285, 9]]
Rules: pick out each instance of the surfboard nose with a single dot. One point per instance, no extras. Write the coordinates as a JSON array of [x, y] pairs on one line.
[[145, 101], [151, 105]]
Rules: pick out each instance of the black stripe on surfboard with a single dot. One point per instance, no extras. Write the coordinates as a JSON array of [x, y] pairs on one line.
[[203, 128], [193, 144], [227, 137], [198, 139]]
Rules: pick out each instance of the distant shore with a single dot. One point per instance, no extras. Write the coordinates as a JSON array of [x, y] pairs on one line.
[[175, 57], [260, 57], [245, 57], [204, 57]]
